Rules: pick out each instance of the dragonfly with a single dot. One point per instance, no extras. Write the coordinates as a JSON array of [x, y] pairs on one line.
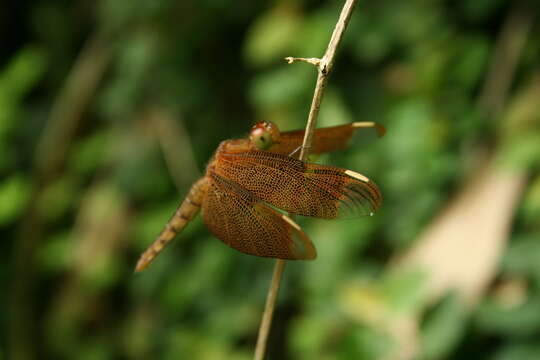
[[248, 181]]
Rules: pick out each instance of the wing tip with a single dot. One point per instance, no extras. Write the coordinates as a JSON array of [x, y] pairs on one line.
[[363, 197], [356, 175], [381, 130], [301, 247]]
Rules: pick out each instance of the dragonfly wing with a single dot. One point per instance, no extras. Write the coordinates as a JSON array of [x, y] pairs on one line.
[[324, 139], [248, 225], [302, 188]]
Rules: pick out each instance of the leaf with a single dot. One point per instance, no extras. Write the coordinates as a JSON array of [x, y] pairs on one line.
[[14, 195], [55, 255], [366, 344], [281, 87], [514, 322], [443, 328], [522, 256], [403, 290], [519, 351], [16, 79], [272, 35]]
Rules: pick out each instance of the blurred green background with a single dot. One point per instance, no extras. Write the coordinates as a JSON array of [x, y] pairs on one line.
[[110, 109]]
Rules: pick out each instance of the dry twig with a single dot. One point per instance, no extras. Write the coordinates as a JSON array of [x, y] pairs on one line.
[[324, 67]]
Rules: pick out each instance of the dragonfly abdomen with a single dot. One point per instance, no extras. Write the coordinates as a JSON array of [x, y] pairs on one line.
[[187, 210]]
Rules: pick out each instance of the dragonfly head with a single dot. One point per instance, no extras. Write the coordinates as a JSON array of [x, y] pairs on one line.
[[264, 134]]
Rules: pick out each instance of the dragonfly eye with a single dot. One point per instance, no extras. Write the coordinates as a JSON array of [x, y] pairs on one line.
[[262, 140], [264, 134]]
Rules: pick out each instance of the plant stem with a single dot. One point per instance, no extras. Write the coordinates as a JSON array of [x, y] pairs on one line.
[[324, 67], [506, 55], [268, 313]]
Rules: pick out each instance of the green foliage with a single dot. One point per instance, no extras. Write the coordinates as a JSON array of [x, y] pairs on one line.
[[443, 329], [519, 351], [272, 36], [364, 344], [14, 196], [214, 67]]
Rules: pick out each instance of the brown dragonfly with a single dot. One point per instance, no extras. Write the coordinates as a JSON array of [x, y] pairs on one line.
[[247, 179]]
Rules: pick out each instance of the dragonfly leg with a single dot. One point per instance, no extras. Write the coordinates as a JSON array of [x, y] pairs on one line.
[[295, 150]]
